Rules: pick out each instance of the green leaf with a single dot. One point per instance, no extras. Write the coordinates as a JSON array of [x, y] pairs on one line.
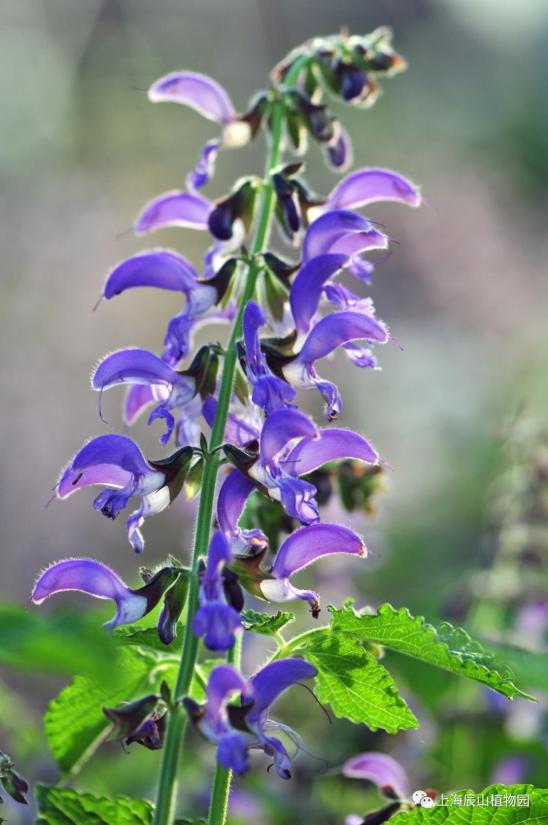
[[448, 647], [263, 623], [136, 636], [64, 642], [65, 806], [74, 722], [536, 813], [354, 683]]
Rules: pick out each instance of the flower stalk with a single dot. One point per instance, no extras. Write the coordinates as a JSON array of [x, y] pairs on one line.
[[165, 801]]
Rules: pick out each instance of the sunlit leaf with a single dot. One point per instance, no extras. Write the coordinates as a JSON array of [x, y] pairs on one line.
[[263, 623], [447, 647], [65, 806], [354, 683], [503, 810]]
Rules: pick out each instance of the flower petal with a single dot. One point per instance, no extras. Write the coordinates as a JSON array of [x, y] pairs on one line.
[[95, 579], [272, 680], [200, 92], [306, 289], [336, 329], [280, 428], [108, 459], [138, 398], [205, 167], [132, 366], [338, 152], [224, 681], [333, 444], [234, 492], [381, 769], [329, 228], [217, 623], [253, 320], [160, 268], [371, 185], [355, 243], [176, 208], [307, 544]]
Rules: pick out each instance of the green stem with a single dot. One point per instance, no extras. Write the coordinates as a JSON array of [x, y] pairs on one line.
[[220, 791], [163, 814]]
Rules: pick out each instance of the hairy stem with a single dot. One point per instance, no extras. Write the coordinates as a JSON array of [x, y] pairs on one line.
[[165, 803], [220, 791]]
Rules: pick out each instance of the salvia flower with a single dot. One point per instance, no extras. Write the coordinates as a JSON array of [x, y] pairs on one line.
[[218, 617], [331, 331], [237, 728], [386, 773], [212, 719], [289, 446], [372, 185], [97, 580], [301, 549], [389, 777], [206, 96], [177, 208], [116, 463], [173, 389], [270, 392], [165, 269]]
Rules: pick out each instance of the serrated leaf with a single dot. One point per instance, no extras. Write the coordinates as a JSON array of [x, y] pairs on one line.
[[147, 637], [536, 813], [354, 683], [448, 647], [65, 806], [263, 623], [74, 721]]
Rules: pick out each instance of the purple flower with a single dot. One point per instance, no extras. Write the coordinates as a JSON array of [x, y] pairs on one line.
[[176, 208], [338, 151], [341, 232], [306, 289], [295, 494], [98, 580], [327, 335], [266, 686], [302, 548], [231, 500], [164, 269], [387, 774], [174, 390], [270, 392], [236, 729], [372, 185], [206, 96], [116, 463], [217, 619], [280, 462], [212, 719]]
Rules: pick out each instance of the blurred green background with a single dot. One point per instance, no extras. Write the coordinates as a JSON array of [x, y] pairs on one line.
[[464, 290]]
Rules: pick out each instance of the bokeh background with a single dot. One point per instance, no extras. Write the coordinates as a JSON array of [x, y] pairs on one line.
[[464, 290]]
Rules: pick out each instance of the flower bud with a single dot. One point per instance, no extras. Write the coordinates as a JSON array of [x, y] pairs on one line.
[[128, 718], [174, 602]]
